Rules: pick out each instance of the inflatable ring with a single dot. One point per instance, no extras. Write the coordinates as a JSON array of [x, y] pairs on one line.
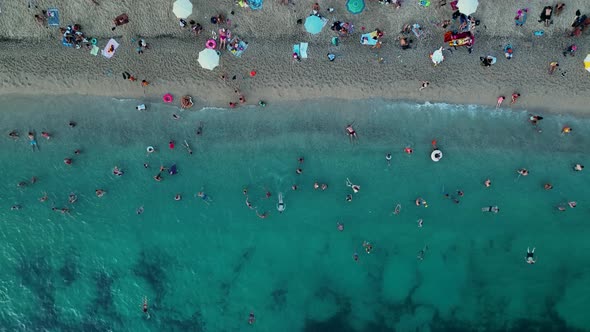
[[150, 149], [211, 44], [93, 41], [436, 155], [167, 98]]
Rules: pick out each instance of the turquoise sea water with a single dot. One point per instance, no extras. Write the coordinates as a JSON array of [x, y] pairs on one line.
[[205, 267]]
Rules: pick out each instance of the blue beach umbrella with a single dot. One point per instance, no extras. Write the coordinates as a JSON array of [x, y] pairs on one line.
[[255, 4], [313, 24], [355, 6]]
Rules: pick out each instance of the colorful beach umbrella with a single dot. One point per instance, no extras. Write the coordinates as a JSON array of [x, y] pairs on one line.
[[467, 7], [355, 6], [182, 8], [587, 62], [314, 24], [208, 58]]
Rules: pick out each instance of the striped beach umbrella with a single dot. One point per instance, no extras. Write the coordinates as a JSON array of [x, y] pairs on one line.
[[355, 6], [587, 62]]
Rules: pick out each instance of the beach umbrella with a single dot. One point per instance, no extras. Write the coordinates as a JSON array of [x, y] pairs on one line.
[[208, 58], [467, 7], [314, 24], [437, 56], [355, 6], [587, 62], [182, 8]]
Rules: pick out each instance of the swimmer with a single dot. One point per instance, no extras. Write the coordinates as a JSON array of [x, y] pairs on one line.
[[171, 145], [493, 209], [561, 208], [139, 210], [349, 198], [248, 204], [548, 186], [158, 177], [388, 158], [77, 151], [72, 198], [15, 207], [355, 256], [368, 247], [33, 141], [523, 172], [351, 133], [398, 209], [43, 198], [460, 193], [261, 216], [140, 107], [13, 134], [187, 147], [72, 124], [21, 184], [175, 116], [420, 223], [487, 183], [177, 197], [422, 252], [355, 188], [162, 168], [33, 180], [199, 130], [245, 191], [117, 171], [300, 160], [578, 167], [566, 130], [45, 134], [251, 318], [572, 204], [281, 205], [206, 198], [298, 171], [68, 161], [144, 307], [340, 226], [294, 187], [316, 185], [421, 201], [324, 186], [534, 119], [408, 150], [145, 165], [268, 194], [530, 256], [99, 192]]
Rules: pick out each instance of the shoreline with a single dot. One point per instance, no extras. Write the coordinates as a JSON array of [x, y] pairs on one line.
[[28, 70]]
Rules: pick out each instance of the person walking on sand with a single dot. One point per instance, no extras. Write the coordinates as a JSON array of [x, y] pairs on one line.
[[514, 98], [424, 85], [500, 101], [552, 66], [530, 256]]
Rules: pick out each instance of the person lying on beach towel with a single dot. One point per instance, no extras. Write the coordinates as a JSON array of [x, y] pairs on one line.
[[120, 20], [546, 15]]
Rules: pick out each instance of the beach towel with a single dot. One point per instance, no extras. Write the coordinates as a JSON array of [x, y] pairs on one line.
[[121, 19], [303, 50], [53, 17], [296, 50], [242, 46], [255, 4], [367, 39], [94, 50], [106, 50]]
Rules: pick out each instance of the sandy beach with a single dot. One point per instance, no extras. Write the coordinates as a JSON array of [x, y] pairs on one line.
[[33, 61]]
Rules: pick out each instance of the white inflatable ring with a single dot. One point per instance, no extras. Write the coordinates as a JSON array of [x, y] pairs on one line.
[[150, 149], [436, 155]]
